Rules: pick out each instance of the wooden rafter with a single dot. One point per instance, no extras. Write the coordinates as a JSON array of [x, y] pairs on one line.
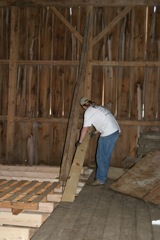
[[67, 3]]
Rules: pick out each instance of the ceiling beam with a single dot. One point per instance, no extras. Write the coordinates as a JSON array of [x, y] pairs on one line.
[[82, 3]]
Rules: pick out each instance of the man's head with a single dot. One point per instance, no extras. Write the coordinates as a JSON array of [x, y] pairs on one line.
[[84, 101]]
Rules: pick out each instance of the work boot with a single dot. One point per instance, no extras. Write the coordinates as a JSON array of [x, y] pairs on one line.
[[96, 183]]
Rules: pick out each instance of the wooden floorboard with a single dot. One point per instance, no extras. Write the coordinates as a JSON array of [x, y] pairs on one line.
[[99, 213]]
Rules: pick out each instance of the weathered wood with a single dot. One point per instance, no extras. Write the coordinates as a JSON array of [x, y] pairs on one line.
[[107, 29], [24, 195], [65, 3], [70, 27], [74, 114], [141, 178], [93, 62], [47, 61], [12, 87], [115, 215], [88, 78], [153, 195], [64, 120], [115, 173]]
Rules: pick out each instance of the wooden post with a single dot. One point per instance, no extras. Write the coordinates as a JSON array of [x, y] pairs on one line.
[[88, 78], [12, 87], [69, 148]]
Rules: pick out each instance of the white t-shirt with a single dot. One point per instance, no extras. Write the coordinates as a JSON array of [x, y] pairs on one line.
[[102, 119]]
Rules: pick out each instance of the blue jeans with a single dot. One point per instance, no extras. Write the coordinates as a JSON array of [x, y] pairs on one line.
[[104, 153]]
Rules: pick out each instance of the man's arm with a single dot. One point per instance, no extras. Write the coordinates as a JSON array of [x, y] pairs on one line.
[[83, 134]]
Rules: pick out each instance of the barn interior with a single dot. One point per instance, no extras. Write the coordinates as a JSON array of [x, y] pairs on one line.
[[53, 53]]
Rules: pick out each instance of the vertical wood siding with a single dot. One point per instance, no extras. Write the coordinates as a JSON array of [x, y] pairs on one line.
[[45, 90]]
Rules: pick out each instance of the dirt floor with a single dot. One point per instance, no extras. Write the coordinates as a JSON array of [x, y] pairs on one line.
[[99, 213]]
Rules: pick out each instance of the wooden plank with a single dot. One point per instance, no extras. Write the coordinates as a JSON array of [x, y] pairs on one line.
[[102, 211], [76, 168], [25, 195], [143, 221], [44, 207], [30, 169], [12, 87], [82, 3], [75, 108], [154, 211], [141, 178], [115, 173], [93, 63], [55, 197], [64, 120], [112, 231], [153, 195], [69, 26], [23, 219], [45, 192], [10, 189], [34, 192], [15, 233], [128, 226], [19, 205], [88, 78], [22, 190]]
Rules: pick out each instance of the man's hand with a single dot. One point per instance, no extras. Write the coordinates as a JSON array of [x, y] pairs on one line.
[[92, 134], [77, 144]]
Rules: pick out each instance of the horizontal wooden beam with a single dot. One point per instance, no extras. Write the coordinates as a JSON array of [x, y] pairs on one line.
[[93, 63], [126, 63], [67, 3], [138, 123], [65, 120]]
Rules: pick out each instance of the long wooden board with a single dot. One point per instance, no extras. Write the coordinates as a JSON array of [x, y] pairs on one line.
[[142, 179], [24, 219], [75, 171], [11, 233]]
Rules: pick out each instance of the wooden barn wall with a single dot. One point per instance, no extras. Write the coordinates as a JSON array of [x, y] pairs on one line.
[[44, 90]]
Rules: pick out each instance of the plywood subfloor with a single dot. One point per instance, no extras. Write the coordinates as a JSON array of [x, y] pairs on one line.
[[99, 213], [143, 179]]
